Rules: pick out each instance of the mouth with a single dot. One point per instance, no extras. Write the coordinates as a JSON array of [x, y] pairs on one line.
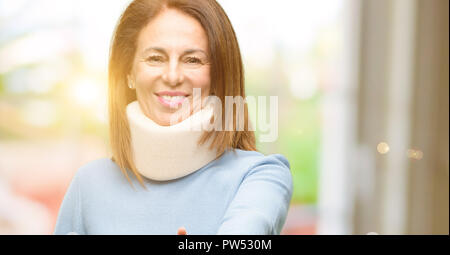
[[171, 99]]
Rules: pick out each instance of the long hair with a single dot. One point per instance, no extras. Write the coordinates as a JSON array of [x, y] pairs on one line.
[[227, 74]]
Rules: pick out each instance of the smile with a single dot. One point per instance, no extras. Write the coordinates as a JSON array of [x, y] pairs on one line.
[[171, 99]]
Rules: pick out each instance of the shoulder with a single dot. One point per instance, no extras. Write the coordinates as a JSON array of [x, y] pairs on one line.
[[97, 168], [255, 158], [98, 173], [255, 163]]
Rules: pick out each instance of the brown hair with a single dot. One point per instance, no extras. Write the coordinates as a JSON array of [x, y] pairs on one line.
[[227, 74]]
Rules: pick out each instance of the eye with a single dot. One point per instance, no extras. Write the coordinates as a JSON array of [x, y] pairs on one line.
[[155, 59], [193, 60]]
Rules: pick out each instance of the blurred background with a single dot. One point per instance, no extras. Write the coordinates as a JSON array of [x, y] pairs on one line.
[[362, 88]]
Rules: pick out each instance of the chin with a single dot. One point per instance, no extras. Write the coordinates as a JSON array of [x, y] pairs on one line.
[[164, 119]]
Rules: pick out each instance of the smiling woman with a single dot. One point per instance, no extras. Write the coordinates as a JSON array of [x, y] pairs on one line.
[[163, 49], [171, 60], [162, 53]]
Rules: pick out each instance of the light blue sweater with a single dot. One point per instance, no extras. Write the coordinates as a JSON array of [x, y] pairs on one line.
[[239, 193]]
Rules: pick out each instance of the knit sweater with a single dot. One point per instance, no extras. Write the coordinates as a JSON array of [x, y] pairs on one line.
[[241, 192]]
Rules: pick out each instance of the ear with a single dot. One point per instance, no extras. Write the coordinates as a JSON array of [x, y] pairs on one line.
[[130, 82]]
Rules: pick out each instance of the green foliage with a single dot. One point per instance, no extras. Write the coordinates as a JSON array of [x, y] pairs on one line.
[[299, 141]]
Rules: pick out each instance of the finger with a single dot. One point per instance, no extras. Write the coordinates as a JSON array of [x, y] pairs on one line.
[[182, 231]]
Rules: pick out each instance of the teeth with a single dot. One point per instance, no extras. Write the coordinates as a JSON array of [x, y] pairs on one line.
[[175, 98]]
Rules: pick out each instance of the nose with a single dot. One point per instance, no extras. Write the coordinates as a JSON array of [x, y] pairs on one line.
[[172, 75]]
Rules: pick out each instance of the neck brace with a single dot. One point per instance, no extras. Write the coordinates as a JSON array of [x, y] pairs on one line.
[[168, 152]]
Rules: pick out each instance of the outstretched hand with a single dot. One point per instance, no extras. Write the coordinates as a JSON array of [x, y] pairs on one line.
[[181, 231]]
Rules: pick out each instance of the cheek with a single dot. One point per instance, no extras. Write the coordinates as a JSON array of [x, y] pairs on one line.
[[201, 79], [145, 76]]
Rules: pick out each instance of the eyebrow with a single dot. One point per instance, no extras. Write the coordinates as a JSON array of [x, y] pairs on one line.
[[161, 50]]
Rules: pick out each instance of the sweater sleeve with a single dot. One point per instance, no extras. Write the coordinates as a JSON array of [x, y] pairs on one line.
[[262, 201], [69, 220]]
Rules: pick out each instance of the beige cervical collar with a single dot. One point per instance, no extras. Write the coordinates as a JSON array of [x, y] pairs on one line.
[[168, 152]]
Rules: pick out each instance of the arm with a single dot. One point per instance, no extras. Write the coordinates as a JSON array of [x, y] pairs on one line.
[[261, 203], [69, 216]]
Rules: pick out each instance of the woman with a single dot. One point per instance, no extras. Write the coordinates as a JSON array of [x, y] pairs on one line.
[[168, 55]]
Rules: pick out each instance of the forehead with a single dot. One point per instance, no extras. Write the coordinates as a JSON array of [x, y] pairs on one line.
[[173, 30]]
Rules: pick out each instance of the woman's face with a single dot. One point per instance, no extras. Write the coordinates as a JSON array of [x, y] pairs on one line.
[[172, 58]]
